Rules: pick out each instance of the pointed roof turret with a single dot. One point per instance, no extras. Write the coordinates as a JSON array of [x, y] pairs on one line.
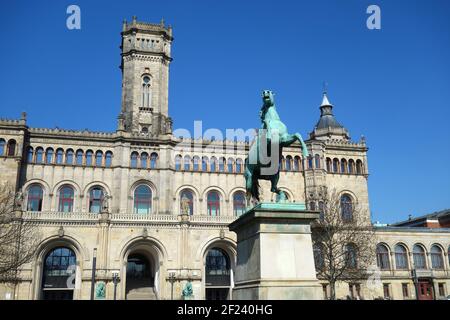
[[327, 126]]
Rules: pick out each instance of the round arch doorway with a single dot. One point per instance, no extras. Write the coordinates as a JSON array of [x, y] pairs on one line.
[[217, 275], [58, 277], [140, 281]]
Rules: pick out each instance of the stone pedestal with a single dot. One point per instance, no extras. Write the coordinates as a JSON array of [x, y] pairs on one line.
[[274, 253]]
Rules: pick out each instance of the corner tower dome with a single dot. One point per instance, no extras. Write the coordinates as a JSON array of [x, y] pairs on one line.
[[328, 127]]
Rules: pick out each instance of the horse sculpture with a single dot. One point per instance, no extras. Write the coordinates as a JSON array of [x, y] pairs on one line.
[[269, 141]]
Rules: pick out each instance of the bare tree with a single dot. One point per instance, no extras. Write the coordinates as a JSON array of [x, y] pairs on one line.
[[344, 241], [18, 238]]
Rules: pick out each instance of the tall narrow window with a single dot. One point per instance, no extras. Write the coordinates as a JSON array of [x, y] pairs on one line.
[[98, 159], [401, 257], [144, 160], [437, 262], [30, 153], [238, 203], [212, 164], [335, 165], [178, 163], [59, 156], [328, 161], [196, 163], [39, 155], [187, 194], [346, 208], [187, 163], [153, 160], [359, 167], [146, 92], [213, 204], [343, 166], [238, 165], [12, 148], [89, 155], [297, 163], [2, 147], [288, 164], [134, 157], [69, 156], [66, 196], [310, 162], [49, 155], [205, 164], [35, 196], [143, 199], [383, 257], [221, 164], [322, 211], [351, 166], [95, 199], [350, 256], [319, 259], [420, 261], [230, 165], [79, 157], [108, 159], [317, 161]]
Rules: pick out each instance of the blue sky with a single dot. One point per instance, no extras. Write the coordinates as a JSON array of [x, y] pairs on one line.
[[390, 85]]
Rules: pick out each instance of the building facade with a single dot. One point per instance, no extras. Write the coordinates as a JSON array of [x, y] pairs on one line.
[[117, 197]]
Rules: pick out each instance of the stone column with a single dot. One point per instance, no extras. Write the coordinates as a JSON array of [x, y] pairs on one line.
[[274, 253]]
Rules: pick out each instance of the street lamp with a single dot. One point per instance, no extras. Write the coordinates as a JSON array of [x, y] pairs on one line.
[[172, 280], [94, 265], [116, 279]]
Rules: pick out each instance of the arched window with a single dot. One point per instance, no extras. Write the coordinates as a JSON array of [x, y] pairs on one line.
[[317, 161], [230, 165], [143, 199], [66, 195], [187, 163], [59, 156], [343, 166], [35, 196], [221, 164], [383, 257], [350, 256], [401, 257], [69, 156], [351, 166], [108, 159], [282, 164], [98, 159], [79, 157], [12, 148], [238, 165], [196, 163], [322, 211], [39, 155], [420, 261], [2, 147], [359, 167], [30, 153], [212, 164], [205, 164], [59, 266], [437, 262], [297, 163], [213, 203], [346, 208], [146, 92], [178, 162], [319, 259], [310, 162], [335, 165], [238, 203], [134, 158], [144, 160], [89, 155], [153, 160], [49, 155], [95, 199], [328, 164], [186, 193], [288, 163]]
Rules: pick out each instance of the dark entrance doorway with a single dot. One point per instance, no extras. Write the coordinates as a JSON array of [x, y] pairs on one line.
[[140, 278], [425, 290], [58, 277], [217, 275]]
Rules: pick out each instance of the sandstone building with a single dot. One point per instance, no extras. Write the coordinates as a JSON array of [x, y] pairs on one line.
[[143, 170]]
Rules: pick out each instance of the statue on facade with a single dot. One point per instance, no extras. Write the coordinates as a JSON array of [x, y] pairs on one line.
[[187, 291], [18, 200], [105, 202], [100, 290], [266, 151], [185, 205]]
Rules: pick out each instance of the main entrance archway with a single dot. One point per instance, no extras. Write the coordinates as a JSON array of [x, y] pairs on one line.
[[217, 275], [140, 280], [58, 277]]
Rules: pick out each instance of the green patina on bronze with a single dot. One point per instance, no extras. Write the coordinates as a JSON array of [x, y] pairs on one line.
[[275, 130]]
